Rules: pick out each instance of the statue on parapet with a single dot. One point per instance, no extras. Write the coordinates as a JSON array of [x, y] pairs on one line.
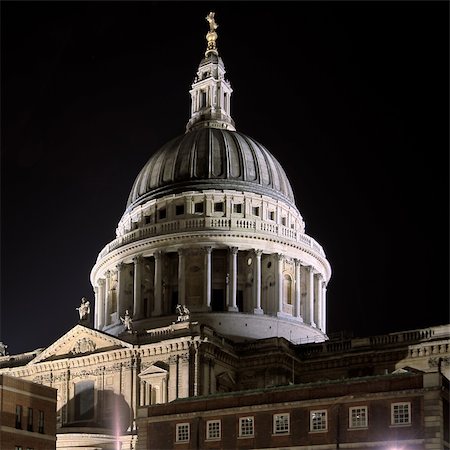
[[3, 348], [183, 313], [84, 309], [127, 321]]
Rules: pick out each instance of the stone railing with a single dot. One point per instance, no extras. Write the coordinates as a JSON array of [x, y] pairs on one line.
[[210, 223]]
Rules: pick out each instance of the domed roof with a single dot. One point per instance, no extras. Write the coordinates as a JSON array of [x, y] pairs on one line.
[[211, 158]]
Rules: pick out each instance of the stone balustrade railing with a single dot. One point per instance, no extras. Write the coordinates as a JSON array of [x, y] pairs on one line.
[[210, 223]]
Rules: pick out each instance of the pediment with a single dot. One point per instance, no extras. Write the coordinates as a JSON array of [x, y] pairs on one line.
[[153, 370], [80, 341]]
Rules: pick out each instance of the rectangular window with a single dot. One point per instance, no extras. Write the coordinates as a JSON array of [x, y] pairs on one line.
[[182, 432], [283, 221], [18, 416], [218, 207], [357, 417], [281, 423], [179, 210], [255, 210], [18, 447], [198, 207], [271, 215], [213, 429], [30, 419], [401, 413], [147, 220], [246, 427], [237, 208], [41, 422], [318, 420], [84, 400], [162, 213]]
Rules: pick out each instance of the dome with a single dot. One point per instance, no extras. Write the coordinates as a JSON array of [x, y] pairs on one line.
[[211, 158]]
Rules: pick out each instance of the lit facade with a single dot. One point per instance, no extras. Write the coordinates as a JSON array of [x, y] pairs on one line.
[[210, 287]]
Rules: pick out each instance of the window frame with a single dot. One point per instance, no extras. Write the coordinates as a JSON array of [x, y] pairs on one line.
[[180, 207], [219, 206], [353, 426], [19, 417], [177, 432], [212, 422], [41, 422], [311, 419], [401, 424], [30, 419], [241, 422], [201, 210], [274, 424], [238, 208]]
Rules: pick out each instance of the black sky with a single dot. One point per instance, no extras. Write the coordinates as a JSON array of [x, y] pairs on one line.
[[351, 97]]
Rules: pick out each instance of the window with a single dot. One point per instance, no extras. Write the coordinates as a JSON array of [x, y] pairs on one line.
[[357, 417], [18, 416], [318, 420], [182, 432], [218, 207], [246, 427], [237, 208], [283, 221], [213, 429], [147, 220], [198, 207], [281, 423], [401, 413], [84, 400], [41, 422], [271, 215], [179, 210], [30, 419], [255, 210], [162, 213], [18, 447]]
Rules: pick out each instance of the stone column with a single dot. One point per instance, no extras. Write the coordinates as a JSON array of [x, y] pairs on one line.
[[181, 277], [310, 296], [158, 284], [298, 293], [107, 297], [100, 303], [279, 282], [232, 306], [120, 291], [173, 378], [137, 312], [183, 376], [319, 301], [257, 282], [324, 306], [207, 272]]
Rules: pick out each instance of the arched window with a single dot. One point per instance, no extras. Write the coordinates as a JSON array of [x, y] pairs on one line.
[[287, 290]]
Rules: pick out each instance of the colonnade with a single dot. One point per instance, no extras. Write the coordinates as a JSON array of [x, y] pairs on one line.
[[287, 295]]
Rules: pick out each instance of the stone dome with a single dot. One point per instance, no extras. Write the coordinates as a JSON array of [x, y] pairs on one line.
[[210, 158]]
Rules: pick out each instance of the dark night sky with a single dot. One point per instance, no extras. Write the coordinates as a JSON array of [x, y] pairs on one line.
[[352, 99]]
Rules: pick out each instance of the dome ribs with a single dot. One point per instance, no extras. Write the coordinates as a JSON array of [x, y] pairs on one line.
[[235, 163], [211, 158]]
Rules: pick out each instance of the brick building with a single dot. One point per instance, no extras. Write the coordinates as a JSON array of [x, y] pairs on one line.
[[407, 410], [28, 415]]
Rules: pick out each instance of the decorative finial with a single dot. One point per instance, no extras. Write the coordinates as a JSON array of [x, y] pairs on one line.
[[211, 36]]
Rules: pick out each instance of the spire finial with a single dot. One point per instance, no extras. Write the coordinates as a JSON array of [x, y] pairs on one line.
[[211, 36]]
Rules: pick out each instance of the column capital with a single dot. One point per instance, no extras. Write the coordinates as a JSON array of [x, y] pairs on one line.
[[258, 253], [101, 282], [138, 259], [207, 249], [157, 254], [280, 257], [234, 250], [182, 251], [120, 266]]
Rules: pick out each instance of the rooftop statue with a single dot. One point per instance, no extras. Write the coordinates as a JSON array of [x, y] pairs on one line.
[[84, 309], [127, 321]]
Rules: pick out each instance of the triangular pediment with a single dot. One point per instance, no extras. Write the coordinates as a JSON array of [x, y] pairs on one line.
[[80, 341], [152, 371]]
